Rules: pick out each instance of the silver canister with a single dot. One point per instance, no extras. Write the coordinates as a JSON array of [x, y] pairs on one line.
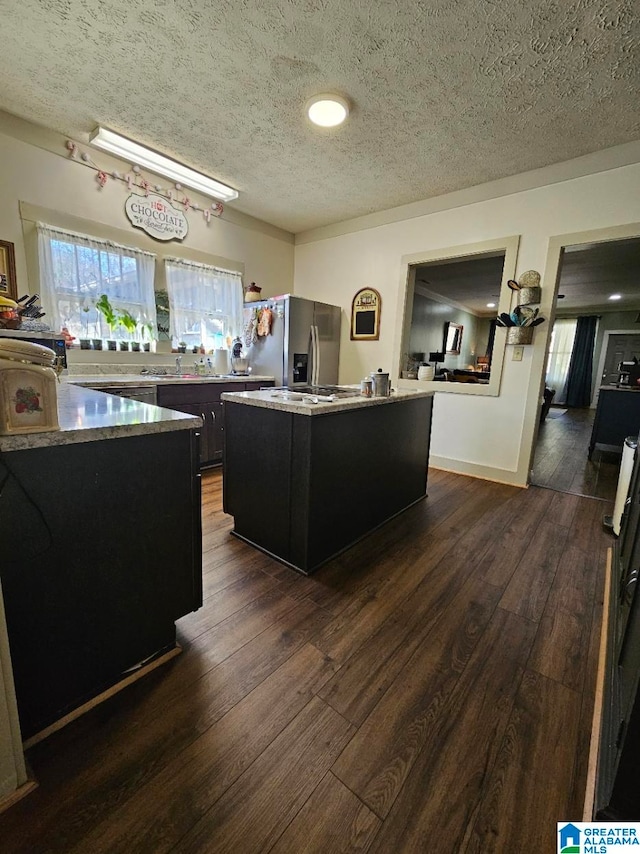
[[381, 384], [366, 387]]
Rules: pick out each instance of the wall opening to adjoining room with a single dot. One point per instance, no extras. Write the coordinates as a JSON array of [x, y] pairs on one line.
[[460, 289]]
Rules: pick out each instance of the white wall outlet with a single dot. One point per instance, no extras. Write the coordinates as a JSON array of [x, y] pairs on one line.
[[518, 353]]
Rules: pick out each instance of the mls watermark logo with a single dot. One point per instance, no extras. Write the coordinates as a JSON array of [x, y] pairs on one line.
[[598, 838], [569, 839]]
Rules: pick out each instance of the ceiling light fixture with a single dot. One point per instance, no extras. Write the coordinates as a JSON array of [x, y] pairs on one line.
[[615, 296], [491, 305], [125, 148], [327, 111]]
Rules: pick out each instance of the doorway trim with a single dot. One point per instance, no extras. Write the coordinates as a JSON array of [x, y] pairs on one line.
[[555, 250]]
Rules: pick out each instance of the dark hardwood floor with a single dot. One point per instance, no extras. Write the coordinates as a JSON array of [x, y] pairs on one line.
[[561, 460], [430, 690]]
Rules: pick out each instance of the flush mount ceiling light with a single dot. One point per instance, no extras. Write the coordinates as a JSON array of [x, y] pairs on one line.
[[125, 148], [491, 305], [615, 296], [327, 111]]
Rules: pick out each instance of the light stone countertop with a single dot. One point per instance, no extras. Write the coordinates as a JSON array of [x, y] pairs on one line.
[[266, 400], [89, 416]]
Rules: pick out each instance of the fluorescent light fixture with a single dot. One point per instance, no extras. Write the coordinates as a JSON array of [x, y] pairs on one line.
[[137, 154], [615, 296], [327, 111]]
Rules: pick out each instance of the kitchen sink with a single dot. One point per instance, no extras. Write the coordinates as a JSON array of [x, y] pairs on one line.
[[174, 377]]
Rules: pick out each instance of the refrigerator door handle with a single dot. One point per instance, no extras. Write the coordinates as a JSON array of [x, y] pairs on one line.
[[315, 371]]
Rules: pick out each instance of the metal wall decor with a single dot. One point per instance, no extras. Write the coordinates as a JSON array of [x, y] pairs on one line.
[[365, 315], [523, 318]]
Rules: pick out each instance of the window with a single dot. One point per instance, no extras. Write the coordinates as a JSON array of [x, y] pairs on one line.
[[205, 302], [76, 269], [562, 337]]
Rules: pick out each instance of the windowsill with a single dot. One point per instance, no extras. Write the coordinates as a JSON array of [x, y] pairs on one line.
[[79, 360]]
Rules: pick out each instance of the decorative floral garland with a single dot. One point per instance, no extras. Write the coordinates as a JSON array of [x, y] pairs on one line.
[[129, 179]]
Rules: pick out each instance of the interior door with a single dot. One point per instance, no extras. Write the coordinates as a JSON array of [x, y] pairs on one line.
[[621, 348]]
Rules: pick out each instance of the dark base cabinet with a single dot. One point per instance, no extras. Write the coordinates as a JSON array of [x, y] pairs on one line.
[[305, 487], [100, 554], [617, 416], [203, 400]]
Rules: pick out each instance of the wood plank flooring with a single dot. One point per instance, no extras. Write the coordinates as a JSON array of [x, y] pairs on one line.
[[561, 460], [429, 690]]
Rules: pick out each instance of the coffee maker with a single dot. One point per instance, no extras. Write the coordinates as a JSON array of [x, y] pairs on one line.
[[625, 370]]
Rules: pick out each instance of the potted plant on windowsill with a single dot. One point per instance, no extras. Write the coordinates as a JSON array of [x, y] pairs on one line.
[[147, 333], [85, 343], [111, 318], [130, 324]]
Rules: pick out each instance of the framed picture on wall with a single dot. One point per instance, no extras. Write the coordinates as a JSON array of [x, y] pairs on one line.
[[365, 315], [453, 339], [8, 285]]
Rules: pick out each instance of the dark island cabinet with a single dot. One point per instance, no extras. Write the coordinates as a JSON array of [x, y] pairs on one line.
[[101, 552], [303, 488], [203, 400]]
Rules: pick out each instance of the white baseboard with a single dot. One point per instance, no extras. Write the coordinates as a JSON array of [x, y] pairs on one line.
[[510, 478]]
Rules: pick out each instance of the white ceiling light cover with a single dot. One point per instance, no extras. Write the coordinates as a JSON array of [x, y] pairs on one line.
[[327, 111], [139, 155]]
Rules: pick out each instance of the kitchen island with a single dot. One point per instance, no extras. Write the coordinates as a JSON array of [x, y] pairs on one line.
[[304, 481], [100, 548]]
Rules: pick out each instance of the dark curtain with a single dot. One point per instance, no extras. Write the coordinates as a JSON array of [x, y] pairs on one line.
[[578, 387], [490, 342]]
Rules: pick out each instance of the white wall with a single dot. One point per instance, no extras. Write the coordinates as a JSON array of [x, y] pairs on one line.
[[485, 436], [35, 170]]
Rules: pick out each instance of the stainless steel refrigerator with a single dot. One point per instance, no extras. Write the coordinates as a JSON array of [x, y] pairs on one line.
[[303, 347]]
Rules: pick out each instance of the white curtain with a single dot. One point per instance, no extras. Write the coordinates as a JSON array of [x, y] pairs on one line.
[[205, 302], [562, 338], [76, 269]]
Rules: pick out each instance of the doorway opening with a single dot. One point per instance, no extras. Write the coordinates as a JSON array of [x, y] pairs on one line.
[[597, 280]]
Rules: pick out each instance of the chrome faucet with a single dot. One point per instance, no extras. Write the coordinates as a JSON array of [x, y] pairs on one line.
[[178, 365]]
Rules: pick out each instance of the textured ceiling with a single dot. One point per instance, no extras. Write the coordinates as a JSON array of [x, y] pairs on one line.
[[446, 94], [470, 282], [589, 274]]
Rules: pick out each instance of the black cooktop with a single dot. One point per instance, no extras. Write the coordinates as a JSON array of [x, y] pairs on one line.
[[324, 390]]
